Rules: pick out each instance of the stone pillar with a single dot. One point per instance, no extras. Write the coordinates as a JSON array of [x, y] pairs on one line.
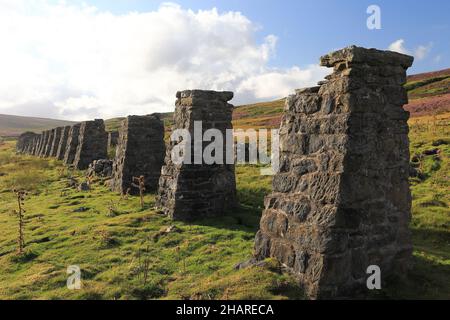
[[56, 141], [48, 146], [38, 144], [34, 144], [341, 201], [190, 191], [72, 144], [140, 152], [113, 138], [92, 144], [60, 152], [24, 141], [46, 135]]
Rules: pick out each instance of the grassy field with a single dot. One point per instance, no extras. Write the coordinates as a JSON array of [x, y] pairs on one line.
[[124, 255]]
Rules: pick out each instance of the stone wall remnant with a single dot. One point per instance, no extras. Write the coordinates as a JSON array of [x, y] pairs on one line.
[[100, 168], [92, 144], [341, 201], [190, 191], [140, 152], [72, 144]]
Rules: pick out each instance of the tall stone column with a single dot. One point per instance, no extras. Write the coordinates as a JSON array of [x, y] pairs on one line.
[[140, 152], [190, 191], [46, 135], [72, 144], [24, 141], [60, 152], [38, 144], [48, 146], [92, 143], [113, 139], [341, 201], [56, 141]]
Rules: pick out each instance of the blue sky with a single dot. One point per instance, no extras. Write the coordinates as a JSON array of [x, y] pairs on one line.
[[307, 29]]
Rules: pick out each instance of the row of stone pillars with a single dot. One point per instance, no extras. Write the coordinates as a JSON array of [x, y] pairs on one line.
[[77, 145], [341, 201]]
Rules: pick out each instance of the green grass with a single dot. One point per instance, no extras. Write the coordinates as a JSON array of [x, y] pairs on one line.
[[113, 247]]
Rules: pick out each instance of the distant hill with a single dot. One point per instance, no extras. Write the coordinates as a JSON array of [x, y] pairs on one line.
[[15, 125], [429, 94]]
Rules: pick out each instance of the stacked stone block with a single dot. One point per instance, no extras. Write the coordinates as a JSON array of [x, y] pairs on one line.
[[62, 145], [56, 141], [140, 152], [92, 144], [341, 201], [72, 144], [190, 191], [113, 138], [25, 142], [48, 146], [45, 137]]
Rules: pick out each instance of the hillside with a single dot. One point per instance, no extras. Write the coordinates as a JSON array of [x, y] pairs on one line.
[[15, 125]]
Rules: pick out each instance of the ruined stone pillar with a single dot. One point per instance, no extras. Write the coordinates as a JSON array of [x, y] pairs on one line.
[[56, 141], [92, 143], [48, 146], [341, 201], [60, 152], [38, 144], [140, 152], [24, 141], [190, 191], [46, 135], [72, 144], [113, 138]]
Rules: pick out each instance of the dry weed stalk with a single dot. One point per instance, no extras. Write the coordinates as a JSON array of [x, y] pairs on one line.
[[20, 194], [139, 182]]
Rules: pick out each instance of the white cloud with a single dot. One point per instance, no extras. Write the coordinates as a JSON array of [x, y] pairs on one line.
[[398, 46], [82, 63], [420, 53]]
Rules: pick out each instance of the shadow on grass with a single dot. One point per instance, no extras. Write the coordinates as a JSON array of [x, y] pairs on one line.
[[243, 218]]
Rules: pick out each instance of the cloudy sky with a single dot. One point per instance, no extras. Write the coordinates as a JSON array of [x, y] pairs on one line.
[[78, 60]]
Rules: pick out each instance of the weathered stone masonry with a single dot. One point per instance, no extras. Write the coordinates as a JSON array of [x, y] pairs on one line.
[[113, 138], [189, 191], [56, 141], [341, 200], [92, 144], [63, 143], [140, 151], [24, 142], [45, 138], [72, 144], [48, 146]]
